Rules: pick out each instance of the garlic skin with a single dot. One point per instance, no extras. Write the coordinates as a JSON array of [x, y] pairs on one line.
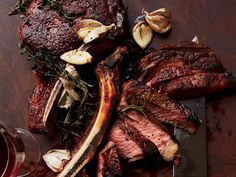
[[77, 57], [54, 159], [142, 34], [90, 30], [159, 20]]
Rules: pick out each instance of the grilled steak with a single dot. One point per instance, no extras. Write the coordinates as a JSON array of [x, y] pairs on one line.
[[126, 147], [137, 137], [108, 162], [47, 28], [155, 133], [198, 84], [158, 107], [185, 70]]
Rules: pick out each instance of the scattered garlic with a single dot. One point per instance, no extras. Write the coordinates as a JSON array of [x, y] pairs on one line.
[[159, 20], [89, 30], [142, 34], [55, 157], [77, 57]]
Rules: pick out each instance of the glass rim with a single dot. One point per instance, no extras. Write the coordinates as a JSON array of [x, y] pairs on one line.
[[2, 129]]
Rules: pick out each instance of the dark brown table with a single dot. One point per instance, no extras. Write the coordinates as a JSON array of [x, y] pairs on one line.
[[213, 21]]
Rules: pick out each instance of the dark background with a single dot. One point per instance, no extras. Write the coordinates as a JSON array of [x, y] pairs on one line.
[[213, 21]]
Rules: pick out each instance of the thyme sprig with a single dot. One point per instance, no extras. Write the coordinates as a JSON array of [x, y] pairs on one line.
[[21, 6]]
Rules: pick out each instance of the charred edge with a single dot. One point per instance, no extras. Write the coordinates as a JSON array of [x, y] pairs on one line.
[[148, 147]]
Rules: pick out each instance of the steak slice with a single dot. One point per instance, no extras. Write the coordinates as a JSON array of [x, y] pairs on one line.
[[125, 146], [108, 162], [46, 28], [199, 84], [155, 133], [158, 107], [196, 55]]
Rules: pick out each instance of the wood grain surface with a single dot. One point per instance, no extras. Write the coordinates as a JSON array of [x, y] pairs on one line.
[[213, 21]]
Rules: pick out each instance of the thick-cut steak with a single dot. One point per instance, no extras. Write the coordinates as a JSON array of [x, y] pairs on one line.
[[47, 28]]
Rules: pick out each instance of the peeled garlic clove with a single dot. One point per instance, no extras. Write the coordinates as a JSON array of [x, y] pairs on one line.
[[98, 32], [77, 57], [83, 32], [159, 20], [142, 34], [54, 159], [89, 23]]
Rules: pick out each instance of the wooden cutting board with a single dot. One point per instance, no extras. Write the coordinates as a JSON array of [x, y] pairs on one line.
[[213, 21]]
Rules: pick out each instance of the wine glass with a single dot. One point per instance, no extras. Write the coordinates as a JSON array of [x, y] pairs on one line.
[[19, 152]]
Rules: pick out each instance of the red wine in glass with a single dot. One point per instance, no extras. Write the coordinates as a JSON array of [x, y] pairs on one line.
[[19, 152]]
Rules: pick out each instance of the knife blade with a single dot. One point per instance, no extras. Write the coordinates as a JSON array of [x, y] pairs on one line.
[[193, 148]]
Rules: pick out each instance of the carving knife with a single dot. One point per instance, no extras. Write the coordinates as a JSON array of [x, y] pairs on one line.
[[193, 148]]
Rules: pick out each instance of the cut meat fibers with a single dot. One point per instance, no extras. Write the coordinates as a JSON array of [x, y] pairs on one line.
[[159, 107]]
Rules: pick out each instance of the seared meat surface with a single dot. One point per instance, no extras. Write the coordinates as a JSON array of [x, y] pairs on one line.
[[47, 28], [137, 137], [158, 107], [185, 70]]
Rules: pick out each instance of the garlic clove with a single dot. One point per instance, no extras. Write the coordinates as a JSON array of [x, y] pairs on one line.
[[83, 32], [77, 57], [142, 34], [89, 30], [159, 20], [89, 23], [54, 159], [98, 32]]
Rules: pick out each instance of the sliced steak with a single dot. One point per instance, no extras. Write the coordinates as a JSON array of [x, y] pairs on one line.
[[196, 55], [198, 85], [159, 107], [125, 146], [155, 133], [47, 28], [108, 162]]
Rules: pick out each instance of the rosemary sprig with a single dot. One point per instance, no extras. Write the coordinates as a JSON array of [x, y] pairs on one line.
[[134, 106], [20, 7]]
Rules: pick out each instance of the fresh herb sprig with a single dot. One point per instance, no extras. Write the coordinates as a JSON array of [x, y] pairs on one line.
[[21, 6], [43, 61], [135, 106]]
